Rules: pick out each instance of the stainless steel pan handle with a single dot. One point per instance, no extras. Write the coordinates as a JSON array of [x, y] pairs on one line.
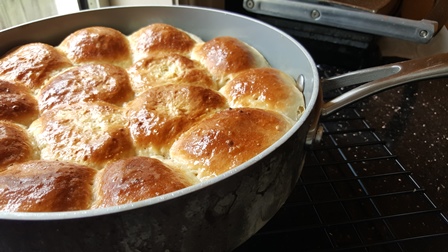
[[384, 77], [352, 19]]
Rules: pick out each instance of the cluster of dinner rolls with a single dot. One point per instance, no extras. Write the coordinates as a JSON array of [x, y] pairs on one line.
[[106, 118]]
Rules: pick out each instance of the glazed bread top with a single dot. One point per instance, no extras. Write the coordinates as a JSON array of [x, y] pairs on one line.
[[17, 103], [86, 133], [46, 186], [32, 65], [137, 178], [160, 115], [227, 139], [161, 39], [265, 88], [106, 118], [226, 56], [16, 145], [97, 44], [173, 68], [87, 83]]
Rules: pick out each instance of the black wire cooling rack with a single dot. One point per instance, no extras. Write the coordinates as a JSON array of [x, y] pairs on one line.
[[354, 195]]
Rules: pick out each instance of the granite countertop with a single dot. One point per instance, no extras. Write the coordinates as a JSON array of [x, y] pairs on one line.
[[413, 120]]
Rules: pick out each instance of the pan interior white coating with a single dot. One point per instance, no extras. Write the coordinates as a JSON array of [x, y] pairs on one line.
[[281, 51]]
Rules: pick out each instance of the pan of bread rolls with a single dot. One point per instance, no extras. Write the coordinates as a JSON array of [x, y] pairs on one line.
[[153, 128]]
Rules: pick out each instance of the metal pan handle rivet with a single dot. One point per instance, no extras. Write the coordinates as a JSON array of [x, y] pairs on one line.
[[300, 82], [250, 4], [319, 134], [315, 14], [423, 33]]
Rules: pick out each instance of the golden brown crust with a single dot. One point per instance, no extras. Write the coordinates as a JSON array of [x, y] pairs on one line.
[[173, 68], [46, 186], [85, 83], [32, 64], [158, 116], [224, 56], [227, 139], [160, 39], [265, 88], [114, 119], [17, 104], [137, 178], [97, 44], [86, 133], [15, 145]]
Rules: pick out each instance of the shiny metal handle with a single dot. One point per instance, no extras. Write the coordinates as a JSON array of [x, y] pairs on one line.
[[362, 21], [384, 77]]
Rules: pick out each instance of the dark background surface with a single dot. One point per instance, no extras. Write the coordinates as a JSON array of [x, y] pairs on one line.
[[376, 181], [411, 121]]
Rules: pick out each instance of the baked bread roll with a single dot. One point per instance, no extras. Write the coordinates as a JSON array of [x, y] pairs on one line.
[[17, 104], [227, 139], [97, 44], [158, 116], [32, 64], [136, 178], [174, 68], [104, 118], [265, 88], [161, 39], [226, 56], [15, 144], [91, 133], [46, 186], [86, 83]]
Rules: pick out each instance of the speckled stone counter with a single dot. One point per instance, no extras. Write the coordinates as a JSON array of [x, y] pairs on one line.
[[413, 120]]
